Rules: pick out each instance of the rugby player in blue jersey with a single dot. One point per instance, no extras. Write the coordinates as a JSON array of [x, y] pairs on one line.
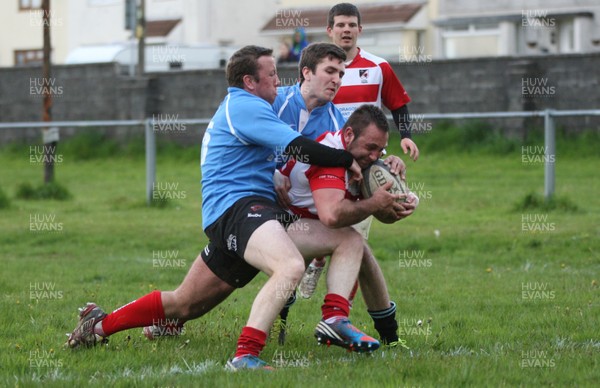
[[247, 228]]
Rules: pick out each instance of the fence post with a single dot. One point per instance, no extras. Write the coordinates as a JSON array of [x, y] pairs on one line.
[[549, 154], [150, 160]]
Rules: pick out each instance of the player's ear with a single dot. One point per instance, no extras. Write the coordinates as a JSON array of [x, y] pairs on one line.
[[359, 28], [329, 32], [306, 73], [348, 135], [249, 82]]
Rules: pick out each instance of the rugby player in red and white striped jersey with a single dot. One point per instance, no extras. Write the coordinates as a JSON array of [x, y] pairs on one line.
[[326, 194], [369, 79]]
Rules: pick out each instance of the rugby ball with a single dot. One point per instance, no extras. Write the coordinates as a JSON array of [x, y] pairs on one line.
[[378, 174]]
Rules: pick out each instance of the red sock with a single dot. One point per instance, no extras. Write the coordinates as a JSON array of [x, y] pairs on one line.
[[335, 306], [251, 341], [146, 311]]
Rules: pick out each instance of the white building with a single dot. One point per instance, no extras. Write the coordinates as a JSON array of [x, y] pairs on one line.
[[470, 28], [182, 32], [83, 23]]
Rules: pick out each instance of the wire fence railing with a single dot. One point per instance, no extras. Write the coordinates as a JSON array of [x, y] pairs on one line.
[[150, 125]]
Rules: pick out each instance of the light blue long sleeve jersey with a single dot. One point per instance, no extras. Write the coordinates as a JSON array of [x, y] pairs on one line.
[[291, 109], [239, 152]]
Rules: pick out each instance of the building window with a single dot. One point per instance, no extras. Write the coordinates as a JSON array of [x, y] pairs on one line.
[[566, 39], [471, 41], [29, 57], [25, 5]]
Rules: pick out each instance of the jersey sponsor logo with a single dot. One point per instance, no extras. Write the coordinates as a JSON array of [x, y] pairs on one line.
[[328, 176], [254, 215], [232, 243], [364, 75]]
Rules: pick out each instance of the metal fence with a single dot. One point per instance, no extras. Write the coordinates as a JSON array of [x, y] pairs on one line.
[[150, 135]]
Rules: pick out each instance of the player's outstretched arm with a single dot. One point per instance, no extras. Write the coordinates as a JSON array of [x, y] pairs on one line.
[[310, 152]]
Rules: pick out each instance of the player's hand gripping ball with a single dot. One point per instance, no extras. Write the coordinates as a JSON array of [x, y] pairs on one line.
[[377, 175]]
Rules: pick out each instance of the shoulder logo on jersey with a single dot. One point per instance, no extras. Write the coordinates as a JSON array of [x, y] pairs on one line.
[[364, 75]]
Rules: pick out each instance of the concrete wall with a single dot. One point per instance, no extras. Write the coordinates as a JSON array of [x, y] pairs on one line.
[[95, 92]]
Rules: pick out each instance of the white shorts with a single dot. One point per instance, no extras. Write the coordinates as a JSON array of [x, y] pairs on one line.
[[364, 227]]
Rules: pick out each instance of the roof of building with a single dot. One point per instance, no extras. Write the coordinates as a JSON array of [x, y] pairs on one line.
[[512, 17], [160, 27], [389, 13]]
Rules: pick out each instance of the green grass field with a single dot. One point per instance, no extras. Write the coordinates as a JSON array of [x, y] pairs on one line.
[[506, 296]]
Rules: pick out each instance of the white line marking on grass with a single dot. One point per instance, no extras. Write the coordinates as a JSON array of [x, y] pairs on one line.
[[125, 374]]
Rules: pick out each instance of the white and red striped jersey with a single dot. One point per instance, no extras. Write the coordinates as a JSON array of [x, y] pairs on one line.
[[305, 179], [369, 79]]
